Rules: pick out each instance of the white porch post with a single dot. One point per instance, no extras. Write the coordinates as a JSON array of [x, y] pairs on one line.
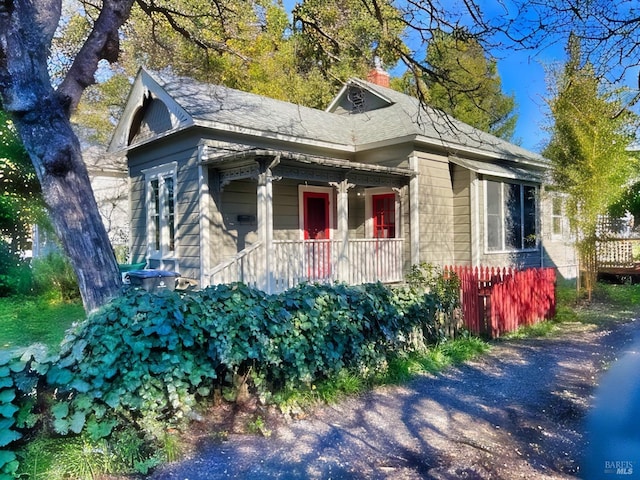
[[414, 206], [343, 228], [205, 225], [265, 221], [475, 220]]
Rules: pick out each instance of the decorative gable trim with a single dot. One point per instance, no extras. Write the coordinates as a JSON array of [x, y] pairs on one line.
[[146, 92]]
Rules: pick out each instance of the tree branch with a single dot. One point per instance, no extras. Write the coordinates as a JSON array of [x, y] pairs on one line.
[[102, 44], [170, 16]]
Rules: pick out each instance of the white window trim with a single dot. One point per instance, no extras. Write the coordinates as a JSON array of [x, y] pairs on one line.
[[302, 189], [504, 250], [369, 193], [158, 173], [564, 227]]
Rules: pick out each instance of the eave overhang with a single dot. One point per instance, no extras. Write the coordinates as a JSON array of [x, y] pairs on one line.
[[501, 170], [300, 166]]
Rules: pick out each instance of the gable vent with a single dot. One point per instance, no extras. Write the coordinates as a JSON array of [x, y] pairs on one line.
[[356, 97]]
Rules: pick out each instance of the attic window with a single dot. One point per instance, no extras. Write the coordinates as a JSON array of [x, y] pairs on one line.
[[356, 97]]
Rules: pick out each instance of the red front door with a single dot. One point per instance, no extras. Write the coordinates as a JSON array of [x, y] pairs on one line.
[[384, 215], [316, 227], [316, 216]]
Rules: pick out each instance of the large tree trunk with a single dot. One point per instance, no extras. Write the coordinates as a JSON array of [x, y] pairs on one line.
[[41, 115], [55, 152]]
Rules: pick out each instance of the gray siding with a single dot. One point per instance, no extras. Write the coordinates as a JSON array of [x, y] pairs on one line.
[[356, 215], [286, 216], [436, 210], [461, 180], [406, 227], [182, 150], [239, 211], [558, 251]]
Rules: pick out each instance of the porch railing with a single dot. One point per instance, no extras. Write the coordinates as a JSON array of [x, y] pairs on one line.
[[618, 253], [324, 261], [243, 267]]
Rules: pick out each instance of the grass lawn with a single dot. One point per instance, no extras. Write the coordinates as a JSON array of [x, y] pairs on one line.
[[27, 320], [611, 303]]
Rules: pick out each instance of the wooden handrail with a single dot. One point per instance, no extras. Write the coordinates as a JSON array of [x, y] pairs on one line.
[[236, 258]]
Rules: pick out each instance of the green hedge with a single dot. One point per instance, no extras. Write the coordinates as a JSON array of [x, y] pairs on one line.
[[147, 360], [150, 358]]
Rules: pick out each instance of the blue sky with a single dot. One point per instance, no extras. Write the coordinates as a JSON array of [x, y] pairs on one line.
[[523, 75]]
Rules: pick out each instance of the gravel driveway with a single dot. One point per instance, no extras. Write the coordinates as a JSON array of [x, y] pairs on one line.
[[516, 412]]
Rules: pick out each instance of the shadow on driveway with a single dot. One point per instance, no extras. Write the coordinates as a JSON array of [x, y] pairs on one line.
[[516, 412]]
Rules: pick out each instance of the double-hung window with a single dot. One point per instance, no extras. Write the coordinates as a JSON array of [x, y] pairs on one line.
[[161, 206], [557, 216], [510, 216]]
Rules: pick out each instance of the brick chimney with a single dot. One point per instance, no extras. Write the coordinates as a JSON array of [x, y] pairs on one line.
[[378, 75]]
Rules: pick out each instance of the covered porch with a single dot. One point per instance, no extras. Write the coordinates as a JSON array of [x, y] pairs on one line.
[[329, 220]]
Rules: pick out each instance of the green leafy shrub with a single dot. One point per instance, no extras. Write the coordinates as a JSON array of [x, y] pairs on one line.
[[53, 274], [445, 290], [138, 358], [150, 358], [145, 362], [20, 374]]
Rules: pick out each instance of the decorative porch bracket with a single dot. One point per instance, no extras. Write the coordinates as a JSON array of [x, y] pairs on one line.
[[343, 227], [265, 217]]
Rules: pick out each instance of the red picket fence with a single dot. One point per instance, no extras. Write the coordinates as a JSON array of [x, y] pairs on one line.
[[496, 301]]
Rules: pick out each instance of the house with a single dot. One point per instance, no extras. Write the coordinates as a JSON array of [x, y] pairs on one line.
[[110, 184], [228, 185]]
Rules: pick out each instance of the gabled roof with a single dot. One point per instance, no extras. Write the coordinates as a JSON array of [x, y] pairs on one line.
[[214, 106], [403, 115], [362, 116]]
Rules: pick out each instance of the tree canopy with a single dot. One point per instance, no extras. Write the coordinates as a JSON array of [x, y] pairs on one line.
[[609, 31], [304, 59], [20, 201], [467, 85]]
